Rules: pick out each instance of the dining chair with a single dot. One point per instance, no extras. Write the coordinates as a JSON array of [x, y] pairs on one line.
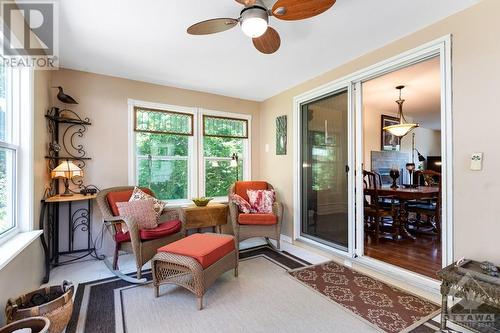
[[429, 207], [375, 213]]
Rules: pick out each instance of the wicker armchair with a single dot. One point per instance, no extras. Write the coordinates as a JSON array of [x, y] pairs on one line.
[[134, 241], [254, 225]]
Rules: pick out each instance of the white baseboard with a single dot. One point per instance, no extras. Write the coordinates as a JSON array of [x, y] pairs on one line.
[[285, 238]]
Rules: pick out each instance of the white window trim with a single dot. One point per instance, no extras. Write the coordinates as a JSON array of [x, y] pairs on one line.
[[22, 144], [196, 169]]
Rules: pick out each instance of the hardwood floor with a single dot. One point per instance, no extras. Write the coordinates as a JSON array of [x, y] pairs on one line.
[[422, 255]]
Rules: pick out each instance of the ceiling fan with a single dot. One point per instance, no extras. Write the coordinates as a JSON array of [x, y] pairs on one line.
[[254, 20]]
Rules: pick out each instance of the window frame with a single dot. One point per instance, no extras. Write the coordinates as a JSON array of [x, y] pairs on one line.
[[247, 148], [19, 117], [196, 160], [192, 143]]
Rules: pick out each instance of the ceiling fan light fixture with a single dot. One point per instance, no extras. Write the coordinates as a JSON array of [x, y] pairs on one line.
[[254, 21]]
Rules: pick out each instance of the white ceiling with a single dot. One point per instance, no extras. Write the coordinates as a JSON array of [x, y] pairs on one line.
[[421, 93], [146, 40]]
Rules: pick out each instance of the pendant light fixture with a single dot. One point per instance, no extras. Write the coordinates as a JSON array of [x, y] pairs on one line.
[[403, 127]]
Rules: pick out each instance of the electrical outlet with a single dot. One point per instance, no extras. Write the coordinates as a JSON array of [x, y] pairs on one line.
[[476, 162], [266, 147]]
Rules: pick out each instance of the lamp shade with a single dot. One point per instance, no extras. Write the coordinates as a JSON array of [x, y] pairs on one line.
[[66, 169], [400, 130]]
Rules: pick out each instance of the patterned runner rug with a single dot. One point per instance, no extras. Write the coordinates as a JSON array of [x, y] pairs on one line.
[[389, 308]]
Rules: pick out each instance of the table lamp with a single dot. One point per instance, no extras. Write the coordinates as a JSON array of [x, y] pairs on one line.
[[66, 171]]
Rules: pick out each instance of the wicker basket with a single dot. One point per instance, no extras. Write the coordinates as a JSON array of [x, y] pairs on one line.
[[55, 303], [36, 324]]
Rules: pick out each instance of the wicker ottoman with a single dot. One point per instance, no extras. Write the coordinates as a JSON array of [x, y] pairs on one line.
[[195, 262]]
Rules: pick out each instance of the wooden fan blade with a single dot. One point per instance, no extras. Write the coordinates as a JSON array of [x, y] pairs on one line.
[[212, 26], [269, 42], [246, 3], [291, 10]]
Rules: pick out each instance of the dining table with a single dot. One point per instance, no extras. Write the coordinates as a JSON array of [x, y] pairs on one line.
[[403, 195]]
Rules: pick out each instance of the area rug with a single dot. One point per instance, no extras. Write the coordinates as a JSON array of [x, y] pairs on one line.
[[389, 308], [263, 298]]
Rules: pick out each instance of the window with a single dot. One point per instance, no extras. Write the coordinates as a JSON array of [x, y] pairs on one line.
[[178, 161], [223, 137], [8, 152], [163, 153]]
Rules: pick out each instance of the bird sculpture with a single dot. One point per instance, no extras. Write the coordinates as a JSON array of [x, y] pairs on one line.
[[65, 98]]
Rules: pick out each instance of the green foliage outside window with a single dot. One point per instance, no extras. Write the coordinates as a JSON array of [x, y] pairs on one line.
[[219, 175], [163, 165]]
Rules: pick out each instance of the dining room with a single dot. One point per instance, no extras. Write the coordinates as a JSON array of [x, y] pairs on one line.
[[402, 167]]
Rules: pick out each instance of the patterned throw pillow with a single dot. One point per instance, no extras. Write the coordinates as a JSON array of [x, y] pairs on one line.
[[242, 204], [261, 200], [141, 210], [139, 194]]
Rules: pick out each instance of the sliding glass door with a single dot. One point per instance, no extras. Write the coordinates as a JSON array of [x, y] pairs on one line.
[[324, 170]]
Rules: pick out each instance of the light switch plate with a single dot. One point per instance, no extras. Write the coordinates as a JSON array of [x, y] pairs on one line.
[[476, 162], [266, 147]]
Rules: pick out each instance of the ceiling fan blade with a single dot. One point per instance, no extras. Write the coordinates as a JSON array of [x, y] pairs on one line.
[[212, 26], [246, 3], [291, 10], [269, 42]]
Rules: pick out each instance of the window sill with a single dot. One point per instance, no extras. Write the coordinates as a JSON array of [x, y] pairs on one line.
[[11, 248]]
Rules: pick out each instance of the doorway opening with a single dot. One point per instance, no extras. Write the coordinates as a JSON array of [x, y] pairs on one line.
[[402, 183]]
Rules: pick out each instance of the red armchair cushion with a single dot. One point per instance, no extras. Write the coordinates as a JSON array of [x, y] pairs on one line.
[[121, 196], [257, 219], [205, 248], [162, 230], [241, 188]]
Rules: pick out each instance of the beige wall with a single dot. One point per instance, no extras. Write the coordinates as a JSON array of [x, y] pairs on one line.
[[21, 275], [24, 272], [476, 78], [42, 95], [104, 99]]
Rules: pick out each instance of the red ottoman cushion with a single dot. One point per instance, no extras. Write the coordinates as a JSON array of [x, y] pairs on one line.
[[205, 248]]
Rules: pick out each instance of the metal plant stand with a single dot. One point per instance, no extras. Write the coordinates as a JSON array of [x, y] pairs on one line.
[[79, 221], [65, 127]]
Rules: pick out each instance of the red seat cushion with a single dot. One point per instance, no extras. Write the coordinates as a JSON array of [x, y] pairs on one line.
[[121, 196], [257, 219], [205, 248], [241, 188], [162, 230]]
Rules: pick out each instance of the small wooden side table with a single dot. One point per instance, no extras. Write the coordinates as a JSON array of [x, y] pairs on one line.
[[213, 215]]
